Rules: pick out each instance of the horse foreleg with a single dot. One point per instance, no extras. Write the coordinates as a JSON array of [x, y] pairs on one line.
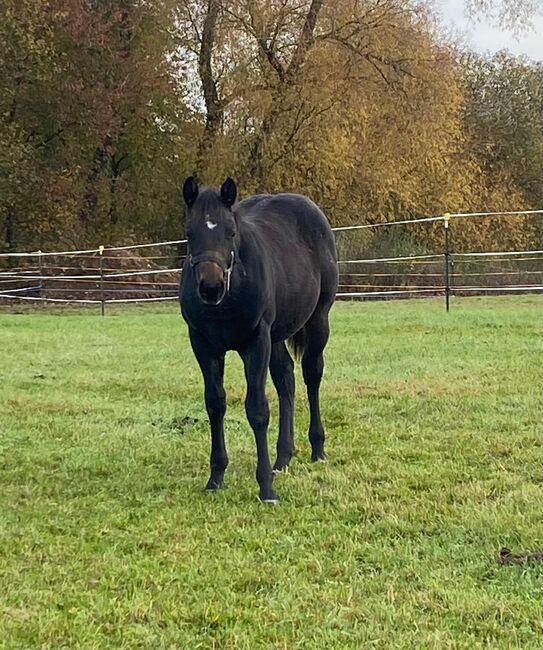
[[212, 368], [256, 359]]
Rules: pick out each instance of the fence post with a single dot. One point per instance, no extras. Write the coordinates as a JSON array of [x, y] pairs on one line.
[[103, 303], [447, 259], [40, 271]]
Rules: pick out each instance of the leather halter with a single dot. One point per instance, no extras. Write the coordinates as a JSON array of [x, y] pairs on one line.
[[194, 260]]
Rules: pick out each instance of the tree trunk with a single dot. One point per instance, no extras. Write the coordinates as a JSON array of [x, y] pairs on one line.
[[286, 79], [102, 154], [257, 167], [214, 107]]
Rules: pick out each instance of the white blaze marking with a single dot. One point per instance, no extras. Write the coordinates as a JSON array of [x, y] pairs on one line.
[[210, 224]]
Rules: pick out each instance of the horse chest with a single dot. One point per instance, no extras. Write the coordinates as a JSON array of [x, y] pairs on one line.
[[224, 328], [226, 335]]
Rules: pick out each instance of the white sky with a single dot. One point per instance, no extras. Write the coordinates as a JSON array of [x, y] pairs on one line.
[[484, 37]]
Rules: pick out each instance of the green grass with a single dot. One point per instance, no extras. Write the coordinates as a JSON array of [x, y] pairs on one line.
[[107, 539]]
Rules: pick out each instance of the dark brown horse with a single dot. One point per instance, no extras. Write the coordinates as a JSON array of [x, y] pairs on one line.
[[257, 274]]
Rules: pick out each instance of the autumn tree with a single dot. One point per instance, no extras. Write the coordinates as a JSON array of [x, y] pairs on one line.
[[505, 117], [313, 90], [361, 105], [28, 62], [91, 112]]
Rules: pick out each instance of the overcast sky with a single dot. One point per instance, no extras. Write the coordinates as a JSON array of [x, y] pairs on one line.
[[483, 37]]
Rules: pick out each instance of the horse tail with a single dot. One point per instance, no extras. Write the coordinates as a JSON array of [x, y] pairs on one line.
[[297, 343]]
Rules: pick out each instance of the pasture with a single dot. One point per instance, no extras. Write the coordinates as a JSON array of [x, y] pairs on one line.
[[107, 539]]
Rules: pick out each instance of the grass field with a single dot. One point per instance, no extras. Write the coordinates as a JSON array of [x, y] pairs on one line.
[[107, 539]]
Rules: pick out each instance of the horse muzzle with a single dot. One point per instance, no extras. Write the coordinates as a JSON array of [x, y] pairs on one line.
[[211, 289], [212, 280]]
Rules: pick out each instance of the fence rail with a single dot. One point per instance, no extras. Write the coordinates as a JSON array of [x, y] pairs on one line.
[[128, 274]]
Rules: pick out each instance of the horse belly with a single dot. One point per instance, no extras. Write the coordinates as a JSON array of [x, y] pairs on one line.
[[295, 303]]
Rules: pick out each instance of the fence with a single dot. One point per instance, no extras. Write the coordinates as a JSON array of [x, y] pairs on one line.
[[150, 272]]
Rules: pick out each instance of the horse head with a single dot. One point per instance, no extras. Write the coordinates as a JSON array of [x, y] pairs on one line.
[[212, 237]]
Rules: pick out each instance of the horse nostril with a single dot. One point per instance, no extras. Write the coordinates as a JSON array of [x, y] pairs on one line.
[[211, 291]]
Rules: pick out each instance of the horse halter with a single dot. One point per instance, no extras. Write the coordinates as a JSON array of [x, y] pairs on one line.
[[195, 260]]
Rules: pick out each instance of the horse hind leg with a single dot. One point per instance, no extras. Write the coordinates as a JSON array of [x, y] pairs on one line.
[[317, 331], [282, 373]]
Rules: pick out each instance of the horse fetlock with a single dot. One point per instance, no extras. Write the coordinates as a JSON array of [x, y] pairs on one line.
[[219, 464], [318, 453], [283, 461], [268, 496], [316, 435], [215, 483]]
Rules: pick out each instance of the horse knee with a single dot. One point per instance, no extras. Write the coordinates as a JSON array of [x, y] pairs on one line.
[[215, 404], [258, 413]]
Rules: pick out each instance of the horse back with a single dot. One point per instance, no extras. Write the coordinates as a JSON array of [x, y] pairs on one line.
[[290, 238], [290, 221]]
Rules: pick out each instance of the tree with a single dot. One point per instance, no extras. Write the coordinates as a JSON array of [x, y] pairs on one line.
[[504, 120], [27, 64], [92, 117], [104, 106], [292, 77], [505, 114]]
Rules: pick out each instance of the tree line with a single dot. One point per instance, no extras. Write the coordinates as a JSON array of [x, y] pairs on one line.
[[364, 105]]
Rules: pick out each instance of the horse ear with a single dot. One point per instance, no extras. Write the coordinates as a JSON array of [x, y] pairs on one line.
[[190, 191], [229, 192]]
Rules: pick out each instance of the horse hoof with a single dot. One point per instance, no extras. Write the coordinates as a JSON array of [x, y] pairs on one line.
[[270, 498], [280, 469], [212, 487], [319, 458]]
